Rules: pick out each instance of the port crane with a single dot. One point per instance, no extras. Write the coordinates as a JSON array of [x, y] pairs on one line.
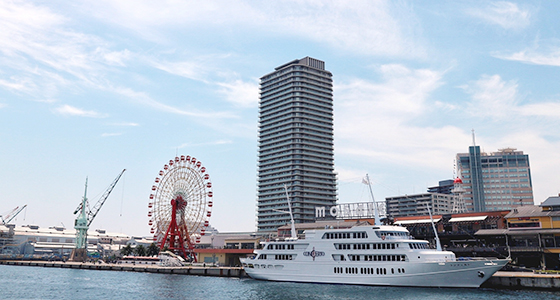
[[11, 215], [85, 218]]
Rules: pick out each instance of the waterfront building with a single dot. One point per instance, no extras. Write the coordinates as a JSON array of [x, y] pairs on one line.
[[532, 233], [495, 181], [295, 147], [416, 205]]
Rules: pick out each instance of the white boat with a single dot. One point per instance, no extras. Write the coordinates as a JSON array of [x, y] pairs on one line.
[[366, 255]]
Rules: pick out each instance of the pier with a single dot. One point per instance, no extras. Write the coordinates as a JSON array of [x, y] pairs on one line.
[[524, 280], [184, 270]]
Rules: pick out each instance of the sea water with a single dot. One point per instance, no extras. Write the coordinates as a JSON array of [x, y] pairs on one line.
[[24, 282]]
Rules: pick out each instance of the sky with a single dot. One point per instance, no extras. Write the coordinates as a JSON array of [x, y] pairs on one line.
[[88, 88]]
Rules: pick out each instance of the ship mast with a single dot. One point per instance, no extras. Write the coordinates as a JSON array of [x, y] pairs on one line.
[[438, 244], [376, 213]]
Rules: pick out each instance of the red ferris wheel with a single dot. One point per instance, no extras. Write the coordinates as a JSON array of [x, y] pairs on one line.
[[180, 205]]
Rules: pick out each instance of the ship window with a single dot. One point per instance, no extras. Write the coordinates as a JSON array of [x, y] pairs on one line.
[[392, 271]]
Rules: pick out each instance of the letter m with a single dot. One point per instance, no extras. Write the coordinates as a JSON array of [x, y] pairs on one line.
[[319, 211]]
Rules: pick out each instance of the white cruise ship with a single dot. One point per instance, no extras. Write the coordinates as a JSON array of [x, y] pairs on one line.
[[366, 255]]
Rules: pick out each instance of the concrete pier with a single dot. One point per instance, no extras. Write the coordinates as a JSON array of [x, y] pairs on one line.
[[186, 270], [524, 280]]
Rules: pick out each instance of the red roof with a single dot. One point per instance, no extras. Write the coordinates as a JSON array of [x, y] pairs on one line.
[[457, 180]]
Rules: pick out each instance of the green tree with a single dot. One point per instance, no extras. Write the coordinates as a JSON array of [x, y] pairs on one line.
[[140, 250], [153, 249], [127, 250]]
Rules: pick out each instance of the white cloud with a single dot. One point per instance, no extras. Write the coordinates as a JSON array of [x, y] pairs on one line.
[[374, 121], [241, 93], [545, 109], [18, 85], [368, 27], [214, 143], [131, 124], [194, 70], [68, 110], [110, 134], [2, 105], [545, 53], [145, 99], [505, 14], [492, 97]]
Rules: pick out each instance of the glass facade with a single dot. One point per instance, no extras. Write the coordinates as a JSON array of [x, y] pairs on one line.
[[295, 143], [495, 181]]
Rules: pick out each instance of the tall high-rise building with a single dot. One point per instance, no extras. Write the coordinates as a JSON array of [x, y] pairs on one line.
[[495, 181], [295, 143]]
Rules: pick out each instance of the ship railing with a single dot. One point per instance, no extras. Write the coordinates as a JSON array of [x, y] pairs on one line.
[[476, 258]]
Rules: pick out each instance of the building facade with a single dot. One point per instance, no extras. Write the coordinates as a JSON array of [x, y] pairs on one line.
[[295, 143], [495, 181], [417, 205]]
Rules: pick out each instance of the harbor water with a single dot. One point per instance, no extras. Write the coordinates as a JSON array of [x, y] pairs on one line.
[[23, 282]]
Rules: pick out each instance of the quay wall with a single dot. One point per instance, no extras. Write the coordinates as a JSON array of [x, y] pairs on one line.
[[523, 280], [185, 270]]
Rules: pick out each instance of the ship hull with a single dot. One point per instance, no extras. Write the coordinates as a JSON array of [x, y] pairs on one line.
[[468, 274]]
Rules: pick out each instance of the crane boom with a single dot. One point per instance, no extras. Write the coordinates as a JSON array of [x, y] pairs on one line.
[[85, 218], [12, 214], [93, 212]]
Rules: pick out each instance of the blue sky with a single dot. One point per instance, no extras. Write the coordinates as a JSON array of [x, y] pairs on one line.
[[88, 88]]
